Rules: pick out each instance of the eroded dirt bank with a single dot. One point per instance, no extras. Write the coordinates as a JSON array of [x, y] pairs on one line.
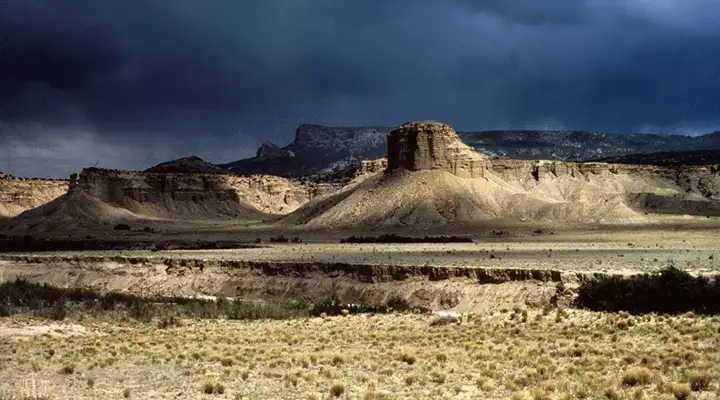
[[460, 288], [466, 276]]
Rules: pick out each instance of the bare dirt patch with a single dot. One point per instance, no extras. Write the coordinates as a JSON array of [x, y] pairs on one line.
[[26, 331]]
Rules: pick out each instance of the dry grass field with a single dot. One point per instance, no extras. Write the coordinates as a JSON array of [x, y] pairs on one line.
[[513, 354], [523, 353]]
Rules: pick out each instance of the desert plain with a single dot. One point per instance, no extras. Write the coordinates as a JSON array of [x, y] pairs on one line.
[[514, 279]]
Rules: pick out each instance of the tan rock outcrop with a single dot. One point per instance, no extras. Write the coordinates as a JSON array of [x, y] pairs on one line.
[[701, 179], [429, 145], [268, 194], [21, 194]]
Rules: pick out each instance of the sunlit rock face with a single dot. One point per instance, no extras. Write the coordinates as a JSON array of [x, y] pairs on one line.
[[429, 145]]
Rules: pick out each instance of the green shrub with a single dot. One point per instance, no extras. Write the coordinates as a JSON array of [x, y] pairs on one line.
[[141, 310], [669, 291], [245, 310]]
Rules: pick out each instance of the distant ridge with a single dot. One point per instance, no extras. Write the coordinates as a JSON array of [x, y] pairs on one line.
[[327, 149], [191, 164], [693, 157]]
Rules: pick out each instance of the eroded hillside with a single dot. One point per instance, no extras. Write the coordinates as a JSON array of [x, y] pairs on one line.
[[429, 178], [433, 178], [98, 197]]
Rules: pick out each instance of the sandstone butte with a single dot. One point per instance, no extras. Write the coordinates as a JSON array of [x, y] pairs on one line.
[[430, 145]]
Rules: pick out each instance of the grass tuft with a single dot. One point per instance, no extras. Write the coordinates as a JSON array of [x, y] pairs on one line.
[[636, 376], [699, 381], [337, 389]]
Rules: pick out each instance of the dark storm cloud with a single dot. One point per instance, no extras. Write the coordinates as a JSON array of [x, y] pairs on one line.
[[157, 79]]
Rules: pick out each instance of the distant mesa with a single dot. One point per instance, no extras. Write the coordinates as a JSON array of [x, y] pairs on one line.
[[432, 145], [315, 149], [191, 164], [269, 150]]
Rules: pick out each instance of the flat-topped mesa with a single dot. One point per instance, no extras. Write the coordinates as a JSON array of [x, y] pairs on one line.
[[430, 145], [269, 194]]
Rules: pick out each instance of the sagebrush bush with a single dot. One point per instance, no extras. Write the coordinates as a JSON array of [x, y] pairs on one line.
[[68, 369], [169, 322], [408, 358], [211, 387], [699, 381], [337, 389], [279, 239], [636, 376], [338, 360], [680, 391]]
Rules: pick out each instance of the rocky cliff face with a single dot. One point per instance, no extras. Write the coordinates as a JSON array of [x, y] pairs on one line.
[[21, 194], [351, 139], [698, 179], [271, 194], [269, 150], [431, 145], [169, 191], [316, 149]]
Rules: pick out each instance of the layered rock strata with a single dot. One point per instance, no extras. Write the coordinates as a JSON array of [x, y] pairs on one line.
[[429, 145], [20, 194]]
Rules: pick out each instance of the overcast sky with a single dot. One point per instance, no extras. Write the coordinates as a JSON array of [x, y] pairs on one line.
[[130, 83]]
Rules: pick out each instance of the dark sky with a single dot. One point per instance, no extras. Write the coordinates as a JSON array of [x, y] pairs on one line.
[[130, 83]]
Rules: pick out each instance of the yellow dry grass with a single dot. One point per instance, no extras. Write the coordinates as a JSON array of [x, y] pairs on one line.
[[567, 354]]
